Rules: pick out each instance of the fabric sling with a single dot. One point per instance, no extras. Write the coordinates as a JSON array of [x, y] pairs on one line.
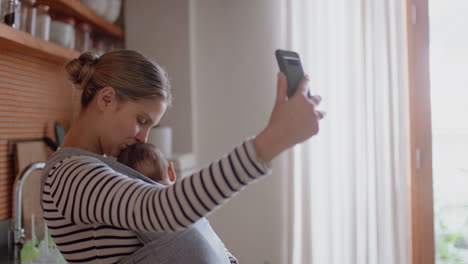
[[197, 243]]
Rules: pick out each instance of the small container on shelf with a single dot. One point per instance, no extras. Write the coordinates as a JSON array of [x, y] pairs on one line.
[[28, 16], [107, 43], [98, 44], [43, 21], [62, 32], [83, 37], [11, 13]]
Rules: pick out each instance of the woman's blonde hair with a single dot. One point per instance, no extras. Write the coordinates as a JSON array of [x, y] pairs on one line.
[[131, 74]]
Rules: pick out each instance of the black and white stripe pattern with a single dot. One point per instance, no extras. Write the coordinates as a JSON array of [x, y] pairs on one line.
[[92, 211]]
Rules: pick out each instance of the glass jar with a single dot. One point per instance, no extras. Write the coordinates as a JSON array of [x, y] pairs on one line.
[[43, 22], [11, 13], [83, 37], [62, 32], [99, 43], [28, 16]]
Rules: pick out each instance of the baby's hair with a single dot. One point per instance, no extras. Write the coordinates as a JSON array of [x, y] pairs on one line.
[[135, 154]]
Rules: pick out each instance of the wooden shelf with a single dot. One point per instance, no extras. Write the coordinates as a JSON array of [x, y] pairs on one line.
[[24, 43], [76, 9]]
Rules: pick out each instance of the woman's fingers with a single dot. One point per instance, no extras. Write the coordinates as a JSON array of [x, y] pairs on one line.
[[303, 87], [282, 88], [303, 91], [316, 99], [320, 114]]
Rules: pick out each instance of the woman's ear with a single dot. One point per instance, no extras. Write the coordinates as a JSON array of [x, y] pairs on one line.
[[171, 172], [106, 98]]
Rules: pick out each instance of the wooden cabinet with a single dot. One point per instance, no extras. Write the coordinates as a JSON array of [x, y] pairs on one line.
[[34, 90], [15, 40], [76, 9]]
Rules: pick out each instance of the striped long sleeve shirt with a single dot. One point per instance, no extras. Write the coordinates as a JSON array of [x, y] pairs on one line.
[[93, 211]]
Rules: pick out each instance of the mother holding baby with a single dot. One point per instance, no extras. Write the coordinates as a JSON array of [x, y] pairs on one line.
[[101, 211]]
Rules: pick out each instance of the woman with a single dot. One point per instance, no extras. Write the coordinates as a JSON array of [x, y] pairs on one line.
[[100, 211]]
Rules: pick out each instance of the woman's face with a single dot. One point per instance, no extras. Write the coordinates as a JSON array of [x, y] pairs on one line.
[[129, 123]]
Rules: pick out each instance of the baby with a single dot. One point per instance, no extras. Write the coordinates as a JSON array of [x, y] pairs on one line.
[[149, 161]]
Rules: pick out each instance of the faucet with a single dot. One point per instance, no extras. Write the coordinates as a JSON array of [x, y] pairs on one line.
[[18, 230]]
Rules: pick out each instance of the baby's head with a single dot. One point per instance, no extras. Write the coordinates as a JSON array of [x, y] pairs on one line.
[[149, 161]]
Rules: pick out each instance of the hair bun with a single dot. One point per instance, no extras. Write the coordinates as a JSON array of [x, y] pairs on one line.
[[81, 70], [89, 58]]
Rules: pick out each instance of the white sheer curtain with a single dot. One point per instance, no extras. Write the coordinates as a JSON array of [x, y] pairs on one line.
[[349, 196]]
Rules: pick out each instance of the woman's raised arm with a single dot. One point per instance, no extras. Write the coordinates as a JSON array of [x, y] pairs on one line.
[[292, 120]]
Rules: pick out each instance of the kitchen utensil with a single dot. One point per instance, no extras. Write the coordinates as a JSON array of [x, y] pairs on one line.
[[59, 133], [50, 143]]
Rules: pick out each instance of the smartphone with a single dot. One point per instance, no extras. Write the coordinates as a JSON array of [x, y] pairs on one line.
[[290, 64]]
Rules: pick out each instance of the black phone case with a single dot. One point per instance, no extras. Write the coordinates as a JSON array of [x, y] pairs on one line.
[[290, 64]]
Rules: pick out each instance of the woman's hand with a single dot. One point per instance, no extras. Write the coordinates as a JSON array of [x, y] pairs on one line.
[[292, 121]]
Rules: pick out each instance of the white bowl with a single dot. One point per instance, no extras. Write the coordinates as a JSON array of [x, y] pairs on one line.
[[98, 6], [113, 10], [62, 34]]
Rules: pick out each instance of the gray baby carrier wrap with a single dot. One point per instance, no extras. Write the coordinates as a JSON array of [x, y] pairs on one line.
[[197, 243]]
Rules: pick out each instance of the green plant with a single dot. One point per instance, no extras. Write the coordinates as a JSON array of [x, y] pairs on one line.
[[448, 245]]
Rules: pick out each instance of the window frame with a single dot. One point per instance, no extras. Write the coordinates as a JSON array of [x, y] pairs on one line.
[[422, 248]]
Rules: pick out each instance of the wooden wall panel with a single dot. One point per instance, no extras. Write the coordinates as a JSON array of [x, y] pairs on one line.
[[34, 93]]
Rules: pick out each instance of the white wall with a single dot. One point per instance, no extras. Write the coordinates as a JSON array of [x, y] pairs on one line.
[[232, 89], [234, 73], [160, 30]]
